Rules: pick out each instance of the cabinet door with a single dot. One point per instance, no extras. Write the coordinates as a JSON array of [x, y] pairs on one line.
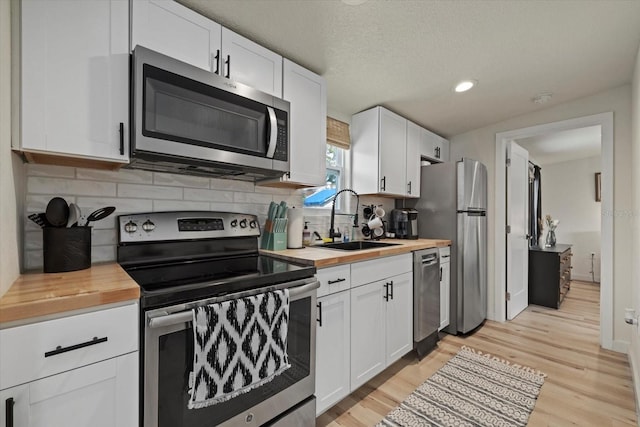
[[333, 340], [399, 328], [367, 332], [104, 394], [413, 160], [444, 154], [75, 78], [392, 159], [176, 31], [445, 285], [247, 62], [307, 93]]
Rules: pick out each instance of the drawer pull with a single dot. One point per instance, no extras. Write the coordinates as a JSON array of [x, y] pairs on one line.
[[59, 349], [8, 417], [331, 282], [319, 319]]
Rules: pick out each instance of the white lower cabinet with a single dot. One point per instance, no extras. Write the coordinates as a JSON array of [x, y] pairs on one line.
[[333, 341], [445, 286], [104, 394], [80, 370], [399, 328]]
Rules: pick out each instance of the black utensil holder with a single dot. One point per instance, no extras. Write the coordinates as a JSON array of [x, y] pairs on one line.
[[66, 249]]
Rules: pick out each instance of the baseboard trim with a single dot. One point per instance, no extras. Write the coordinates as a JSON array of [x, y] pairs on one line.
[[635, 378], [621, 346], [583, 277]]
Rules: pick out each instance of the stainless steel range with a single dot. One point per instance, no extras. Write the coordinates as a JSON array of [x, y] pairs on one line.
[[182, 260]]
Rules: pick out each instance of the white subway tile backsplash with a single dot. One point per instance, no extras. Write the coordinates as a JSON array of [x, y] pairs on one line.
[[149, 192], [122, 205], [104, 237], [226, 184], [270, 190], [50, 170], [55, 186], [103, 253], [252, 198], [33, 240], [178, 205], [38, 203], [208, 195], [123, 175], [180, 180], [33, 260]]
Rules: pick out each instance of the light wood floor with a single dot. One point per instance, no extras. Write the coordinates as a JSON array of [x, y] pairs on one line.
[[585, 386]]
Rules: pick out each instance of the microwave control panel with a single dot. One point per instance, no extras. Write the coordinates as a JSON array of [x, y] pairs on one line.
[[282, 148]]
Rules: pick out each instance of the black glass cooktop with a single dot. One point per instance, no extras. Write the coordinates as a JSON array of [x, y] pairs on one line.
[[175, 282]]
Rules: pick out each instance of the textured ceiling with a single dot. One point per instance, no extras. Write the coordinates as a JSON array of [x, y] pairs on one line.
[[564, 146], [407, 55]]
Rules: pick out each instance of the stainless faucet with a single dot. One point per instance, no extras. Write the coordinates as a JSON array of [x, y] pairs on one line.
[[332, 232]]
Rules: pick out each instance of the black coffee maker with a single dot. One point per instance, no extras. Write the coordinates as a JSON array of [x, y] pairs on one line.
[[404, 223]]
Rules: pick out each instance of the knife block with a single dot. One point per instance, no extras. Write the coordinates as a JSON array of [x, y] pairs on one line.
[[271, 240], [66, 249]]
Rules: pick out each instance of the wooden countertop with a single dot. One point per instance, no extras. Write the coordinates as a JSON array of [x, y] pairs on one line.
[[42, 294], [320, 257]]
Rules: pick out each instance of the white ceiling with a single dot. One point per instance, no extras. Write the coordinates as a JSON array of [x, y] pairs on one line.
[[407, 55], [563, 146]]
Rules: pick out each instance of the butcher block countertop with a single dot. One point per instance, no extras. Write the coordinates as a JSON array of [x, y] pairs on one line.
[[320, 257], [44, 294]]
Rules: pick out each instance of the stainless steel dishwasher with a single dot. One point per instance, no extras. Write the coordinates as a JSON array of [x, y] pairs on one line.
[[426, 300]]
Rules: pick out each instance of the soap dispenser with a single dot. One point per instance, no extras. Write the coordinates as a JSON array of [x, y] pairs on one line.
[[306, 235]]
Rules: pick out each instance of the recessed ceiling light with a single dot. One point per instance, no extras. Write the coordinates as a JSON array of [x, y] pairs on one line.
[[465, 85], [354, 2]]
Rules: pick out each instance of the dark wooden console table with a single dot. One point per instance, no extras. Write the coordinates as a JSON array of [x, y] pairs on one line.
[[549, 275]]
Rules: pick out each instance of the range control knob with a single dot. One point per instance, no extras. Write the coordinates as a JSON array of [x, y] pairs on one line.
[[130, 227], [148, 226], [243, 223], [253, 223], [234, 223]]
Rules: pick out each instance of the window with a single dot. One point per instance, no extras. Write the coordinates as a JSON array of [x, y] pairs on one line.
[[321, 197]]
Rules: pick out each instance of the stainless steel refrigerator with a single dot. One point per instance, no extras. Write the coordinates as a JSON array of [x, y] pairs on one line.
[[453, 205]]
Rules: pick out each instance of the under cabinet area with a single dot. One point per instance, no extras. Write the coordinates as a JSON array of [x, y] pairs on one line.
[[364, 323], [74, 97], [549, 275], [75, 371], [177, 31]]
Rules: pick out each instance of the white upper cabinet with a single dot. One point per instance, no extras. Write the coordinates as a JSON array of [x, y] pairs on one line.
[[434, 147], [75, 78], [381, 137], [307, 93], [177, 31]]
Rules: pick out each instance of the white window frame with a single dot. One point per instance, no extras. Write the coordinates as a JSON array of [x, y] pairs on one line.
[[345, 179]]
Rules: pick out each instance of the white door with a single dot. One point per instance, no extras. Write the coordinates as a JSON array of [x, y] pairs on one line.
[[399, 317], [307, 93], [517, 219], [393, 153], [104, 394], [367, 332], [333, 340]]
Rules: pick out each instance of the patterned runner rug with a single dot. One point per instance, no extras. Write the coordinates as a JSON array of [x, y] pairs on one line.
[[471, 389]]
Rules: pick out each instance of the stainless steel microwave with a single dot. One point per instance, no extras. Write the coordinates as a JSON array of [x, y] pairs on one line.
[[190, 121]]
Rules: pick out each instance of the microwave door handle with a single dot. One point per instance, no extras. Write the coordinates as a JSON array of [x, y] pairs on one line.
[[273, 138]]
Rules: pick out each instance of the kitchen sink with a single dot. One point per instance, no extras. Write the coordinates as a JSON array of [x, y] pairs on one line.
[[356, 245]]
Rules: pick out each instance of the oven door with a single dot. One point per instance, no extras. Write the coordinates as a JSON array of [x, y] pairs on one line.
[[168, 361]]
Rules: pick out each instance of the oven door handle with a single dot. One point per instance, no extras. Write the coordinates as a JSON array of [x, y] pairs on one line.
[[186, 316]]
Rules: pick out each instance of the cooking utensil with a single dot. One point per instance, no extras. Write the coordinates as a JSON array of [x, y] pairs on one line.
[[57, 212], [99, 214], [40, 219], [74, 215]]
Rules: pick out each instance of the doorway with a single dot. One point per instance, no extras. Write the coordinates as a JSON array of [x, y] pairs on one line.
[[605, 121]]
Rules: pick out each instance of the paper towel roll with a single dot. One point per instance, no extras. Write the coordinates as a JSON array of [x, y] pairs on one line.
[[294, 229]]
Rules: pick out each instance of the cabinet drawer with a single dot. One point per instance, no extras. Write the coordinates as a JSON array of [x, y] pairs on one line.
[[35, 351], [334, 279], [380, 268]]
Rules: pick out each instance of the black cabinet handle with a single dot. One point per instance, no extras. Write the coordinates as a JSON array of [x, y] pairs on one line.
[[409, 190], [8, 404], [331, 282], [383, 183], [386, 292], [228, 63], [441, 274], [60, 349], [391, 286], [319, 305], [217, 59], [121, 139]]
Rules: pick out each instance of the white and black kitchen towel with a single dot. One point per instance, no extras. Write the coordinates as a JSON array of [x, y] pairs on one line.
[[239, 345]]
